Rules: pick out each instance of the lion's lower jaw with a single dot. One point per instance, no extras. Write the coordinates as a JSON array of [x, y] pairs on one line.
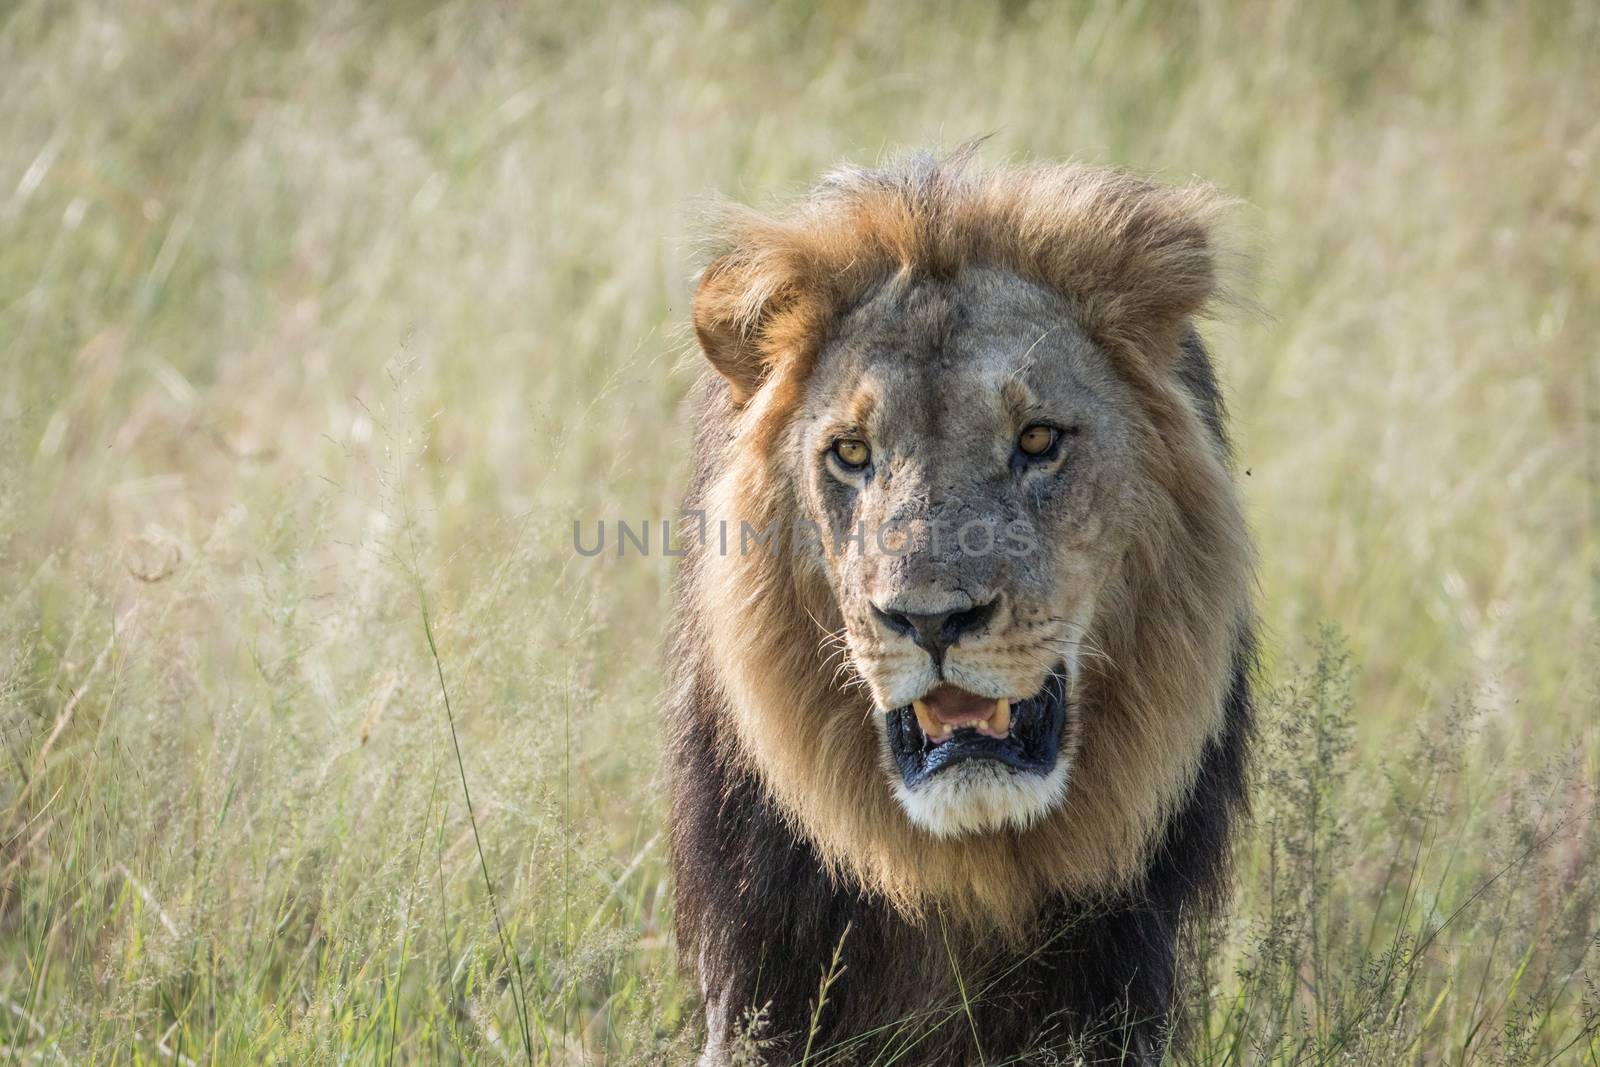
[[982, 798]]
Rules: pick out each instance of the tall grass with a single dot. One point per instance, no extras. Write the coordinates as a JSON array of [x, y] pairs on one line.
[[321, 323]]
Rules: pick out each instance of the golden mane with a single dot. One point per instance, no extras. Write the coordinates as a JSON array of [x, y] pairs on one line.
[[1133, 262]]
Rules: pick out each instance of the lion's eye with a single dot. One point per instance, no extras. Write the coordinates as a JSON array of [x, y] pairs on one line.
[[1036, 440], [852, 453]]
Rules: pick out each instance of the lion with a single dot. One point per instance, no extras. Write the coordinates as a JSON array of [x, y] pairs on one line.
[[963, 649]]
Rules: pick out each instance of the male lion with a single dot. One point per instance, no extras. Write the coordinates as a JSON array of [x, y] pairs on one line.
[[963, 651]]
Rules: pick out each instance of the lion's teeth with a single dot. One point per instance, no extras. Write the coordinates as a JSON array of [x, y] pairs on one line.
[[1000, 721], [930, 726]]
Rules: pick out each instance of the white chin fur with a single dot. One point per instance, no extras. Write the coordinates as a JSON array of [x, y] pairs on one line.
[[981, 795]]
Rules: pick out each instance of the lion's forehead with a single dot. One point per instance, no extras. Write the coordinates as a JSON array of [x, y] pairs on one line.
[[936, 360]]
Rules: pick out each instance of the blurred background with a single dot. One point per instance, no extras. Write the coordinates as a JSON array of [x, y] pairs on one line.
[[321, 323]]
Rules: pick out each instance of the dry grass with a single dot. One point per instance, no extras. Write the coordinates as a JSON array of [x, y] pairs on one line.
[[321, 321]]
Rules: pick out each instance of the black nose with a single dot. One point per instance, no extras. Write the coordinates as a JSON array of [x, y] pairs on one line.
[[935, 632]]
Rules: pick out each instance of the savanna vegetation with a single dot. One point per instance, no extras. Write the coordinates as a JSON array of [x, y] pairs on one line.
[[321, 324]]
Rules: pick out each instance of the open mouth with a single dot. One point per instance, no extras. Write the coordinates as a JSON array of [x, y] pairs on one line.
[[948, 727]]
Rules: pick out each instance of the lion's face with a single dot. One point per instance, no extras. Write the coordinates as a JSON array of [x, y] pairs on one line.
[[964, 452]]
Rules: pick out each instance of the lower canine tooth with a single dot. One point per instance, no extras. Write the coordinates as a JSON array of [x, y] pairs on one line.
[[1000, 721]]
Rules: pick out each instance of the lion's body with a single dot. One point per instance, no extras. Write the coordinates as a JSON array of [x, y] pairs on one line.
[[792, 855]]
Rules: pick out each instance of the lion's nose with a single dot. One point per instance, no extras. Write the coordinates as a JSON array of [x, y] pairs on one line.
[[935, 632]]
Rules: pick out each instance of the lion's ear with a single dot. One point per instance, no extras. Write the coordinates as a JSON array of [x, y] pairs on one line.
[[1139, 258], [1170, 270], [728, 313]]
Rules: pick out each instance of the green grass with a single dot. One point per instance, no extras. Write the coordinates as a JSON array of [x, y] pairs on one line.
[[321, 323]]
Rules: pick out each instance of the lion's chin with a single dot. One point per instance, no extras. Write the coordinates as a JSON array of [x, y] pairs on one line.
[[969, 780]]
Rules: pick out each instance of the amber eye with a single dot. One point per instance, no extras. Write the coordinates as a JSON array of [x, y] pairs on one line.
[[852, 453], [1036, 440]]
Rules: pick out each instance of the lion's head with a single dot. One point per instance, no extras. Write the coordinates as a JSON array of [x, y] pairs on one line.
[[977, 569]]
